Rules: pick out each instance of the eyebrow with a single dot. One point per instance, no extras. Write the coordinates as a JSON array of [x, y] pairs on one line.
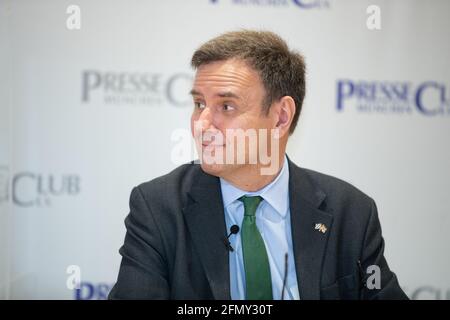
[[225, 94]]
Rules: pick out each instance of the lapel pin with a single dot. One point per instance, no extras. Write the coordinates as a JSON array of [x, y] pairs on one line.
[[321, 227]]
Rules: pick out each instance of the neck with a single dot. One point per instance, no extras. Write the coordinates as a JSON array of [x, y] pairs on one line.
[[249, 178]]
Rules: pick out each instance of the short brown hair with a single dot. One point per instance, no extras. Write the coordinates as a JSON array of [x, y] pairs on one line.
[[282, 71]]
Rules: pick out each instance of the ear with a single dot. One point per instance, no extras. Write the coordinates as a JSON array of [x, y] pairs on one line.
[[285, 111]]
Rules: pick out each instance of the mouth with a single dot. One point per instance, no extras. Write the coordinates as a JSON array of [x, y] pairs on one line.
[[212, 145]]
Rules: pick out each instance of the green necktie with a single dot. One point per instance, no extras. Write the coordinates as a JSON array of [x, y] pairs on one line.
[[256, 263]]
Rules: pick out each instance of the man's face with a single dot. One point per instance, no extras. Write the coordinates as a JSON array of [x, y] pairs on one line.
[[228, 95]]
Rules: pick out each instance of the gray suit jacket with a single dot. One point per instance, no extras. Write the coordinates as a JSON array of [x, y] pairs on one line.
[[174, 246]]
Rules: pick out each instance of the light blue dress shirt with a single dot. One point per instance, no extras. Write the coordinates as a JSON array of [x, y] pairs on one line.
[[274, 223]]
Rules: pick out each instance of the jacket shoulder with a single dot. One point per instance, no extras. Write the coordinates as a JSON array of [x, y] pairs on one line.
[[343, 200], [335, 187], [178, 179]]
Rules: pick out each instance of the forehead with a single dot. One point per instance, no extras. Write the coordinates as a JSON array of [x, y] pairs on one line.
[[235, 75]]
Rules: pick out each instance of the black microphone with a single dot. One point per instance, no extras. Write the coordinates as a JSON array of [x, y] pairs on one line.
[[285, 274], [233, 230]]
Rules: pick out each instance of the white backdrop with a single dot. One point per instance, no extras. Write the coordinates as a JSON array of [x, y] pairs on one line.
[[87, 114]]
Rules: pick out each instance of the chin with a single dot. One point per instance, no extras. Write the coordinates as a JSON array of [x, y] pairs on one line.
[[213, 169], [219, 169]]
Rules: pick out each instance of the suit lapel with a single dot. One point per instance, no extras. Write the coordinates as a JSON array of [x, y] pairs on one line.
[[308, 243], [204, 216]]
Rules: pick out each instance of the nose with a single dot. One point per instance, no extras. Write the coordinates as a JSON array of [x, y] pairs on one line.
[[207, 120]]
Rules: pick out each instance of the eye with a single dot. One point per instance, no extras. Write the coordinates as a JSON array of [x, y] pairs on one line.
[[199, 105], [227, 107]]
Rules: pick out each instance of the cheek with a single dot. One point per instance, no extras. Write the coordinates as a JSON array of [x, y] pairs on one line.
[[267, 122], [242, 121], [194, 118], [255, 122]]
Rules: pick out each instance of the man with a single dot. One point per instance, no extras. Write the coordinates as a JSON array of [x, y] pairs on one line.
[[300, 234]]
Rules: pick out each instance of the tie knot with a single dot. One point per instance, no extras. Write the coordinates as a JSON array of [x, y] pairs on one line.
[[250, 204]]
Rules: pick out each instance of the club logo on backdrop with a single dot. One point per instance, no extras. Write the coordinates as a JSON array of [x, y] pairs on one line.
[[428, 98], [92, 291], [428, 293], [135, 88], [304, 4], [41, 190]]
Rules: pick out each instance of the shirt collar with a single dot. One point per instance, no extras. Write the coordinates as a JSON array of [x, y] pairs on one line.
[[275, 193]]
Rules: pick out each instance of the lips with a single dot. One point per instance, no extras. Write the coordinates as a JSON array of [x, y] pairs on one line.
[[212, 144]]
